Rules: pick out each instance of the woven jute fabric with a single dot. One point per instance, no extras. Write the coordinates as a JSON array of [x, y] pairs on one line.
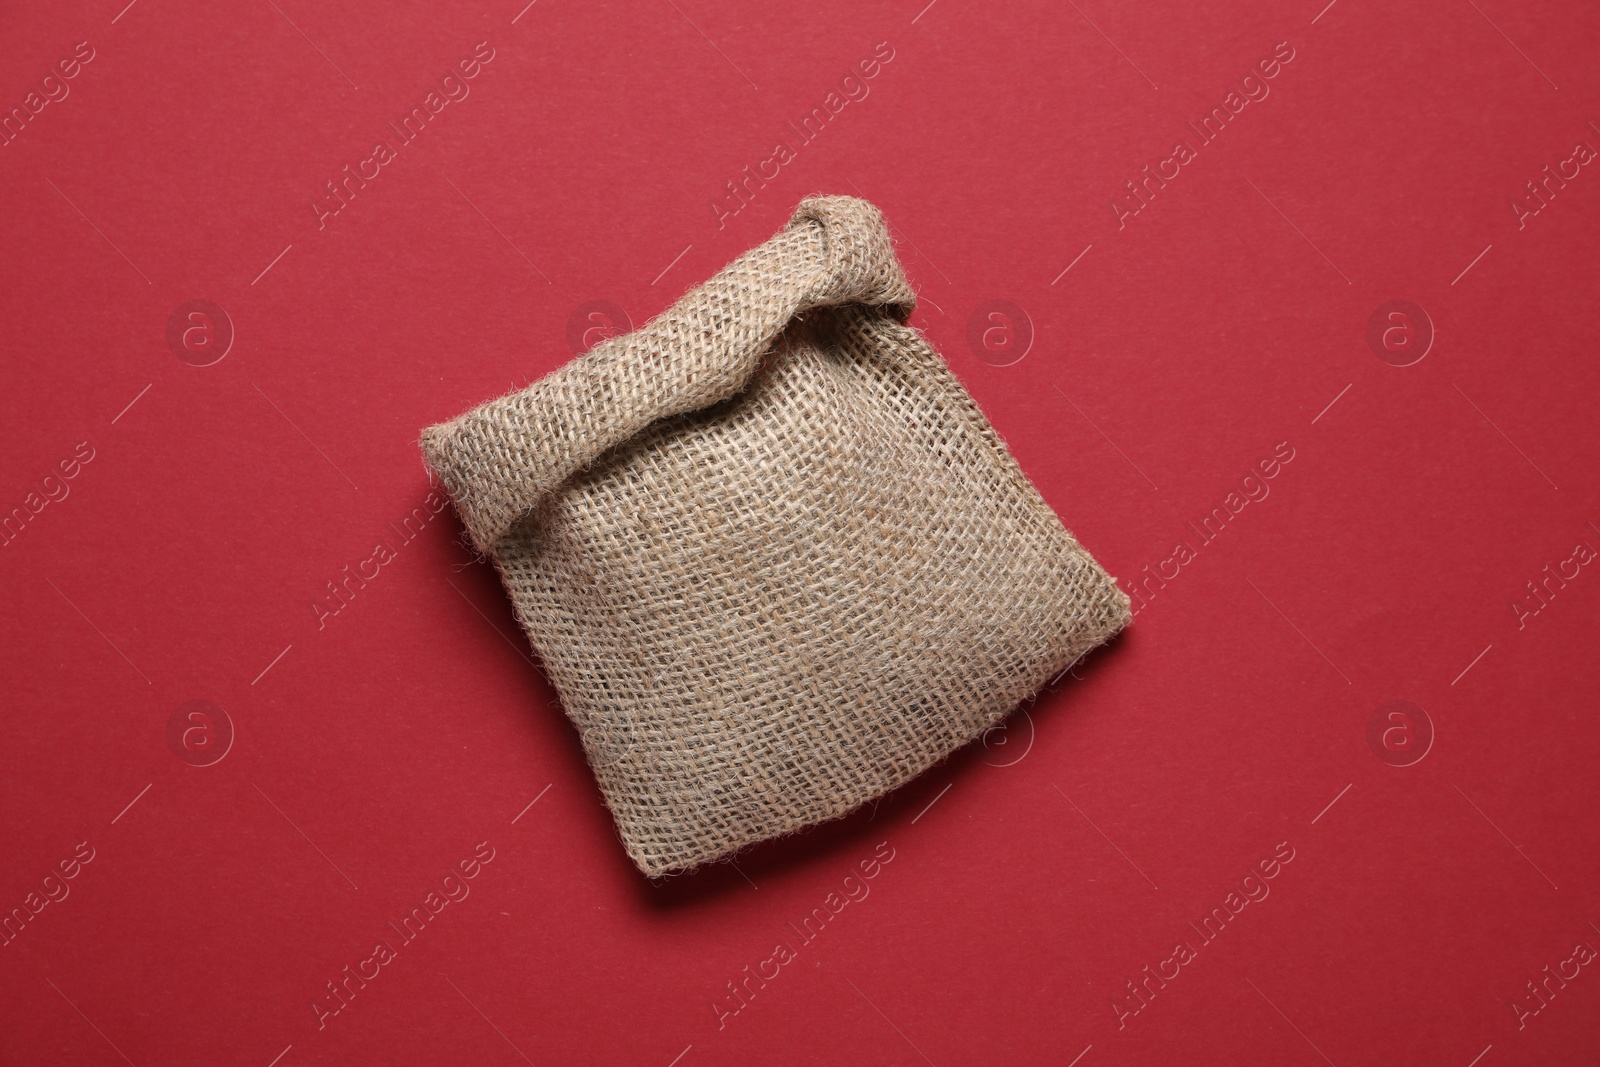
[[774, 558]]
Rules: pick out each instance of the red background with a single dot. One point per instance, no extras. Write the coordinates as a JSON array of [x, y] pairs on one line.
[[372, 754]]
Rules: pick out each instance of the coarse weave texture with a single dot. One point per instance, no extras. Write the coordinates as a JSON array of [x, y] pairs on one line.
[[774, 558]]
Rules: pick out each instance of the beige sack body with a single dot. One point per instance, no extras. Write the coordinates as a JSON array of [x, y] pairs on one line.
[[775, 560]]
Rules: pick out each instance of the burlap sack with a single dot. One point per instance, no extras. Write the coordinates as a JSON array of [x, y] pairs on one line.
[[774, 558]]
